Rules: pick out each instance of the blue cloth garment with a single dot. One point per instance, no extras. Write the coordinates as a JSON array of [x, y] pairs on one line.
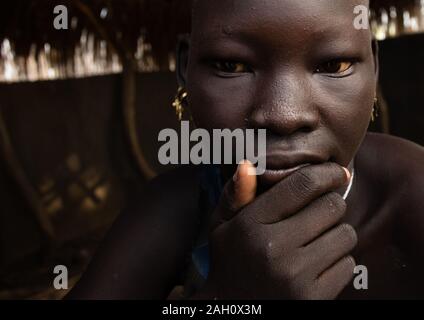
[[211, 184]]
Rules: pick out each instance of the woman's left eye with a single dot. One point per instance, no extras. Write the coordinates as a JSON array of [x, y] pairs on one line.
[[335, 67]]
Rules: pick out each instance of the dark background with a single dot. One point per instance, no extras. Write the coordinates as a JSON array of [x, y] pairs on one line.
[[66, 161]]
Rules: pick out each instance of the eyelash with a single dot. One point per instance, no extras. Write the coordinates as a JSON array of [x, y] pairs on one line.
[[337, 74], [224, 67]]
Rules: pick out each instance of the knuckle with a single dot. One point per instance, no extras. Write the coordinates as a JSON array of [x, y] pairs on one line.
[[348, 233], [335, 203], [334, 175], [294, 269], [350, 263], [270, 250], [247, 224], [251, 215], [347, 269], [305, 179], [269, 254], [336, 171]]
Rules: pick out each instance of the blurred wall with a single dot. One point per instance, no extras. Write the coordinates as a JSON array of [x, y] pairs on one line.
[[402, 81]]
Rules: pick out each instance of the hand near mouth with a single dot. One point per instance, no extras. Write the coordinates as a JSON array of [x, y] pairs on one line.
[[238, 193], [287, 243]]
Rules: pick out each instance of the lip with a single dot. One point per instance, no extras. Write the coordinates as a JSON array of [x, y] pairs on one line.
[[271, 177], [282, 161], [280, 166]]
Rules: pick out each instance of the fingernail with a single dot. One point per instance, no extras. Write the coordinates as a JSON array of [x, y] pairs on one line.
[[238, 173], [348, 175]]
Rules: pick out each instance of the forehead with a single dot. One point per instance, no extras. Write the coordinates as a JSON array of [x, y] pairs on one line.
[[286, 19]]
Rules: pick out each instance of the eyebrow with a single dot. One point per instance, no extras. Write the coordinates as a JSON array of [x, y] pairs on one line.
[[323, 35]]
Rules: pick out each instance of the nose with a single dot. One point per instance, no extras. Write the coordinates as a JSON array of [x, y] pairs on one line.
[[285, 106]]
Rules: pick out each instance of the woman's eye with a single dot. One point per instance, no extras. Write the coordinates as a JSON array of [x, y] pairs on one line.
[[231, 67], [335, 67]]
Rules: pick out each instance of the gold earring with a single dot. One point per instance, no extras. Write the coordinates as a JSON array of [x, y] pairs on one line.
[[374, 114], [178, 103]]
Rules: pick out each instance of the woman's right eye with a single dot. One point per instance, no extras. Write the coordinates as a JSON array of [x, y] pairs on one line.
[[231, 67]]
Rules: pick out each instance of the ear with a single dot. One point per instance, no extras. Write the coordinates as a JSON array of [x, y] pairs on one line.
[[375, 52], [183, 47]]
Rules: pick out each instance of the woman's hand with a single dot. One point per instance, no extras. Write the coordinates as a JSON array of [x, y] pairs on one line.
[[287, 243]]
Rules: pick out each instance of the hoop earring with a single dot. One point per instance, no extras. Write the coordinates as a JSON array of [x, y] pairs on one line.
[[178, 103], [375, 108]]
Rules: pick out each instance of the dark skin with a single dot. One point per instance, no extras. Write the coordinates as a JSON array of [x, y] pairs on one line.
[[301, 71]]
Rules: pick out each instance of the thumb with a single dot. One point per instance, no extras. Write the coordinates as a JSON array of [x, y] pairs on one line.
[[244, 185], [237, 193]]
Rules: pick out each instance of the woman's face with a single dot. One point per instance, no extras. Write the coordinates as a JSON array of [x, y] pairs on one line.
[[296, 68]]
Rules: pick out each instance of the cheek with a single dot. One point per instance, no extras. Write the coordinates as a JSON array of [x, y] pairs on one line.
[[346, 112], [218, 103]]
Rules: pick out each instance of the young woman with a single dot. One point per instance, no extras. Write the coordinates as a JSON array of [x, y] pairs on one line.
[[332, 197]]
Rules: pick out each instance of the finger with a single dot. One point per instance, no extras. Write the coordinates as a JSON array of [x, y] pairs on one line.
[[296, 191], [314, 220], [333, 281], [331, 247], [245, 186], [237, 193]]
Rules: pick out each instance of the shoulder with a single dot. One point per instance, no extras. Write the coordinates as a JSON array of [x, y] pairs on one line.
[[392, 148], [181, 181], [174, 193], [165, 214], [397, 168], [394, 161], [158, 227]]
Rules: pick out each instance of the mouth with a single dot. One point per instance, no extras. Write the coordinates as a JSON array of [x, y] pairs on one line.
[[271, 177], [281, 166]]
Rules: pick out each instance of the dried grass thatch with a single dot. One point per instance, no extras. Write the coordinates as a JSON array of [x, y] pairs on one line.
[[28, 25], [106, 34]]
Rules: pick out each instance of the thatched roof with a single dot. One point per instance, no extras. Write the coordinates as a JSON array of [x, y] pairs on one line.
[[104, 29], [30, 22]]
